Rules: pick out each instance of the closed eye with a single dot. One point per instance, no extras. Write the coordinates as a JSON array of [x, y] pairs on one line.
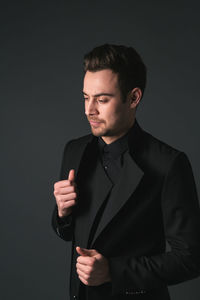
[[102, 101], [98, 100]]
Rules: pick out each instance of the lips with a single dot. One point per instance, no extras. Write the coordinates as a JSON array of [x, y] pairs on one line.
[[91, 121], [94, 122]]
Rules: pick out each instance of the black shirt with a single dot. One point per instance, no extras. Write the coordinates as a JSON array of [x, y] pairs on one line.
[[111, 156]]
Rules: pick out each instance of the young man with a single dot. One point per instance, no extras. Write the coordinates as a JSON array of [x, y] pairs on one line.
[[123, 193]]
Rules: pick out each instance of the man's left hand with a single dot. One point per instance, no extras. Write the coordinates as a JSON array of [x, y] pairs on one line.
[[92, 267]]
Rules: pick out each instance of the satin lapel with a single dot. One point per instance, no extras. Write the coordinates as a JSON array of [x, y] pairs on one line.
[[129, 180], [76, 156], [96, 186], [101, 187]]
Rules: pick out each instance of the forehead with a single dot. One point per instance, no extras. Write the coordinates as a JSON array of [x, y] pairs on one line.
[[100, 81]]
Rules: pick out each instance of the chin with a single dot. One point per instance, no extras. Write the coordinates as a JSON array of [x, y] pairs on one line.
[[98, 132]]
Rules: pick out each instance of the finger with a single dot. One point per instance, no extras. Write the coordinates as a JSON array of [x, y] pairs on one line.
[[82, 274], [86, 260], [83, 268], [64, 198], [62, 183], [67, 204], [83, 280], [65, 190], [71, 176], [86, 252], [81, 251]]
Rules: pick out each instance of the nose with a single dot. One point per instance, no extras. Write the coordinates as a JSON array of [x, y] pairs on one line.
[[90, 107]]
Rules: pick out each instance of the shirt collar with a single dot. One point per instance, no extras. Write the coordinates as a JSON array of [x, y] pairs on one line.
[[116, 148]]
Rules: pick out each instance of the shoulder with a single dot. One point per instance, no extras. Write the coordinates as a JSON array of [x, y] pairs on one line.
[[83, 139], [78, 143], [158, 156], [160, 149]]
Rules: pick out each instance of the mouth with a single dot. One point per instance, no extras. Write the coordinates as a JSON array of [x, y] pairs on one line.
[[94, 123]]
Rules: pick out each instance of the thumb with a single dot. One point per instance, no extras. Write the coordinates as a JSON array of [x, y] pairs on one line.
[[86, 252], [71, 176]]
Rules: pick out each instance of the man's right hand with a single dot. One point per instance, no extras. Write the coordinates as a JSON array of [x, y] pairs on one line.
[[65, 193]]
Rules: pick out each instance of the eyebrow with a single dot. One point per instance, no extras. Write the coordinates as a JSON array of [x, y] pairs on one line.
[[100, 94]]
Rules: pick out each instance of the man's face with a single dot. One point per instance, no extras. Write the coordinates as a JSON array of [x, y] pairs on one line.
[[108, 116]]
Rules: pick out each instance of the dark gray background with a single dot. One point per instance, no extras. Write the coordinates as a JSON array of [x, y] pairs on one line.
[[42, 48]]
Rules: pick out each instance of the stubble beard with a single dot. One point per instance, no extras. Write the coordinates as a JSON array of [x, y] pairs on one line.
[[102, 132], [98, 131]]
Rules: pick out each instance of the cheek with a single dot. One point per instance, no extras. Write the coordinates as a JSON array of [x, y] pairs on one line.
[[112, 113], [116, 114], [110, 116], [85, 106]]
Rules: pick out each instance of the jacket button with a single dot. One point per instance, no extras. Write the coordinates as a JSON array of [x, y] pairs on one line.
[[75, 297]]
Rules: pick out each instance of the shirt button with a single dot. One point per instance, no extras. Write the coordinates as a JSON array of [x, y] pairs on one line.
[[75, 297], [106, 167]]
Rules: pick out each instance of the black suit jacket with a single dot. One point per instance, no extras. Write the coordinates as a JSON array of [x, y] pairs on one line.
[[154, 203]]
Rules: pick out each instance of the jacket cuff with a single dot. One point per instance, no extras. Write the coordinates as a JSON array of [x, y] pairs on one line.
[[64, 221]]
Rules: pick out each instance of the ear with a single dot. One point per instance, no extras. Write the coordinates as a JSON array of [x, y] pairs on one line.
[[134, 97]]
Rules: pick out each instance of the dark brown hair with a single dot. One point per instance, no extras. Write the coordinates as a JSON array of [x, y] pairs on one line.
[[124, 61]]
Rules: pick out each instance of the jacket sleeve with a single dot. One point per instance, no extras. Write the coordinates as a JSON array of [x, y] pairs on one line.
[[63, 227], [181, 217]]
